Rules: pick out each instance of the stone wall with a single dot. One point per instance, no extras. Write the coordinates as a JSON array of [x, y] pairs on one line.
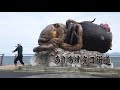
[[61, 58]]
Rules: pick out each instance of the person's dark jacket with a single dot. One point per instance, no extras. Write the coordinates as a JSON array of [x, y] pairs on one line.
[[19, 49]]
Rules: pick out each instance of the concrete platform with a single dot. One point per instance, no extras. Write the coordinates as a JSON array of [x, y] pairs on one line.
[[28, 71]]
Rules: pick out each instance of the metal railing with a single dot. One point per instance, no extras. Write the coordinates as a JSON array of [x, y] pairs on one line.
[[1, 59], [25, 58], [24, 55]]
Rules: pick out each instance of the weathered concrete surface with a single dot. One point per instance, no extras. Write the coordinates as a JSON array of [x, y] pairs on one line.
[[14, 74], [30, 68], [8, 67], [62, 75], [58, 72], [71, 75], [70, 72], [62, 58]]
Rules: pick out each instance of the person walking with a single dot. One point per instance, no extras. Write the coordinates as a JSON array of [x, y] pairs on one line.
[[19, 48]]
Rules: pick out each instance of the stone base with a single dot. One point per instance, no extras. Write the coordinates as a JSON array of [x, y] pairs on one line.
[[61, 58]]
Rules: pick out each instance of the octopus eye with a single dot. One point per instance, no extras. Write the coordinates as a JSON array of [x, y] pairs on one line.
[[56, 25]]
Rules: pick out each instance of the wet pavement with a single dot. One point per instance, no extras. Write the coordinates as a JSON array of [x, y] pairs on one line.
[[11, 74]]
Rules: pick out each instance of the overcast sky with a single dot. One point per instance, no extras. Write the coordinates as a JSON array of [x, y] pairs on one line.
[[25, 27]]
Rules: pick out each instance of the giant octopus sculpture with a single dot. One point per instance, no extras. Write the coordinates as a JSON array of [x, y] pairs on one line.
[[75, 36]]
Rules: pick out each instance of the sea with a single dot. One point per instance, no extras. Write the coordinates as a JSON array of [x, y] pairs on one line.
[[9, 60]]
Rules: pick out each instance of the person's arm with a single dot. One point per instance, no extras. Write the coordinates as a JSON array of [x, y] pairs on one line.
[[15, 49]]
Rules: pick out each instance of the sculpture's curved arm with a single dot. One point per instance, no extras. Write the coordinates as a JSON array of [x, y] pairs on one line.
[[88, 21], [93, 20], [42, 40], [61, 34], [69, 47], [77, 46], [69, 21]]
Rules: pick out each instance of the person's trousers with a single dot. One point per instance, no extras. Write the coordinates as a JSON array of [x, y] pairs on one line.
[[19, 58]]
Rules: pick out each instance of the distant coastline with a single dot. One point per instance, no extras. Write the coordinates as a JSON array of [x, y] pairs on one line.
[[113, 54]]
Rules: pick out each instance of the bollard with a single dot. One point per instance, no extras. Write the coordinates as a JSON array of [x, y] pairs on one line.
[[1, 59]]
